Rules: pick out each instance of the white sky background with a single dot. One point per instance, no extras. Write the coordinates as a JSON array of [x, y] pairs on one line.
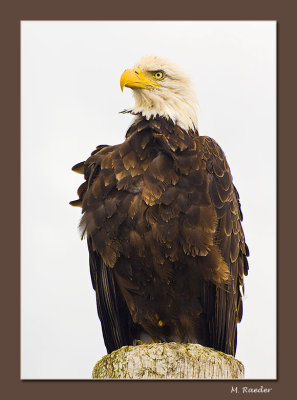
[[70, 101]]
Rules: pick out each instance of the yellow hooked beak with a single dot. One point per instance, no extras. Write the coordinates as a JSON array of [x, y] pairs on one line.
[[136, 78]]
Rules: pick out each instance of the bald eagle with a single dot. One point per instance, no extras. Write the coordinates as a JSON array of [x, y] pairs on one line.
[[163, 219]]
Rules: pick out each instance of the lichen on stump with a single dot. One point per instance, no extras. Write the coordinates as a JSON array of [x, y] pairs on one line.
[[168, 361]]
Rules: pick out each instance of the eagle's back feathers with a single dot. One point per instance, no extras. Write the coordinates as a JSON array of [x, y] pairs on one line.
[[167, 250]]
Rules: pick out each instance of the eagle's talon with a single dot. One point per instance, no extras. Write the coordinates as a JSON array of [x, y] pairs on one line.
[[140, 342]]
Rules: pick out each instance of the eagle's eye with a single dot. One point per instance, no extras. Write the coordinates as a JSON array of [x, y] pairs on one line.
[[159, 75]]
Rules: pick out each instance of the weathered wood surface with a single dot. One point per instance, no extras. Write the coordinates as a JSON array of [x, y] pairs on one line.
[[168, 361]]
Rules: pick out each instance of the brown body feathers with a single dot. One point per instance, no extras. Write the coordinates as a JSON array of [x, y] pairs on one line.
[[167, 250]]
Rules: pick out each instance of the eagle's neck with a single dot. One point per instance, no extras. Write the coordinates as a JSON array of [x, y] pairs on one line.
[[164, 129], [178, 107]]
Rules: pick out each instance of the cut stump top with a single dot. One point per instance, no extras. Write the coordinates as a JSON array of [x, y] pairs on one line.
[[168, 361]]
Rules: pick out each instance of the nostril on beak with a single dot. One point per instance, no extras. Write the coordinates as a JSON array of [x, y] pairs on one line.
[[136, 72]]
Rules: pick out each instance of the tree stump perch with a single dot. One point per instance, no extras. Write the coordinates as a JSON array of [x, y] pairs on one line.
[[168, 361]]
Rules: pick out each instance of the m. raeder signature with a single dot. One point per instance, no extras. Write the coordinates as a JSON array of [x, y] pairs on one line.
[[250, 390]]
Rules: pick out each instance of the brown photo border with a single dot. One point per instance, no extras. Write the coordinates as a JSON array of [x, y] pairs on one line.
[[11, 14]]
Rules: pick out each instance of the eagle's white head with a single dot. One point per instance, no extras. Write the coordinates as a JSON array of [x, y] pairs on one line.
[[160, 87]]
